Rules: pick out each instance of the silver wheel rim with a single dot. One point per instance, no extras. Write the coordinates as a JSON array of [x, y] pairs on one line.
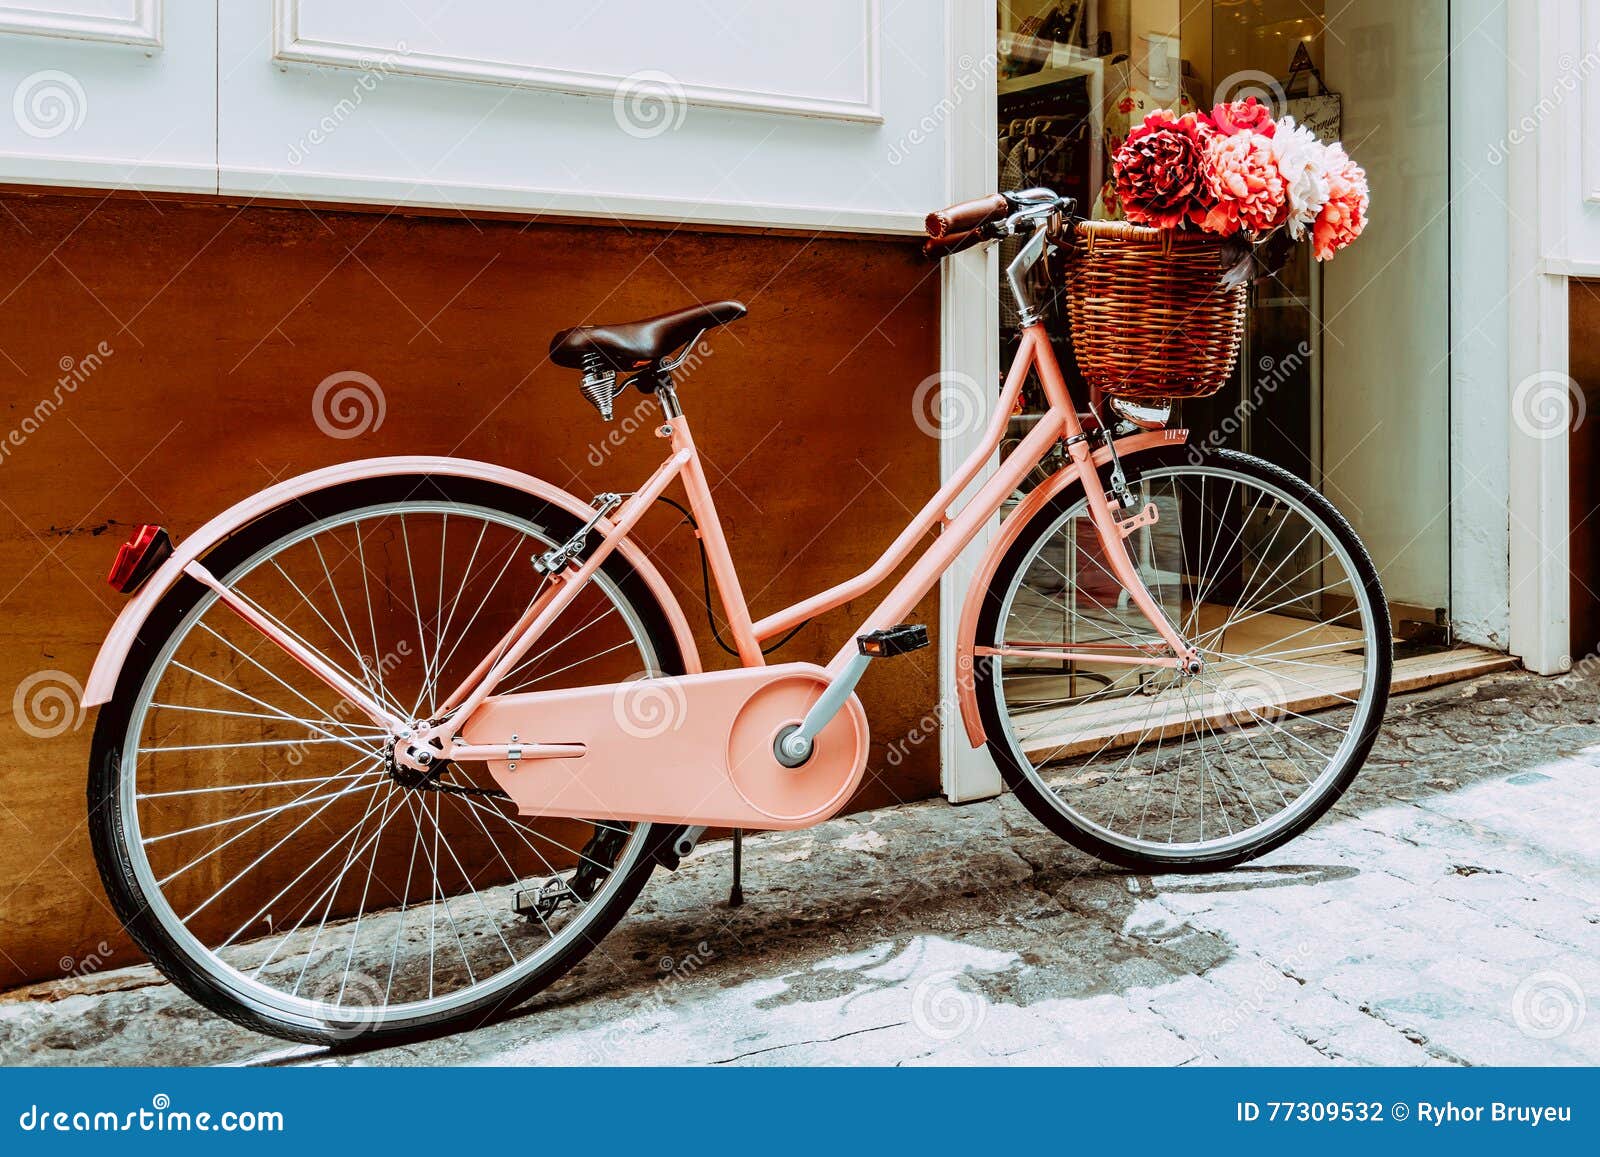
[[334, 1016], [1244, 838]]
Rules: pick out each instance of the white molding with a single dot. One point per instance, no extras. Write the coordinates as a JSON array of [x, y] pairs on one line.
[[300, 185], [106, 173], [290, 47], [969, 349], [1538, 344], [1589, 79], [142, 29], [1572, 267]]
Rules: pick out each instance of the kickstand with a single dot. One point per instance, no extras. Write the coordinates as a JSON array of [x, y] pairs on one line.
[[736, 892]]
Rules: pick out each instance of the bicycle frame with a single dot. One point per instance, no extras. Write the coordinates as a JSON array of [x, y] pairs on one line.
[[1060, 424]]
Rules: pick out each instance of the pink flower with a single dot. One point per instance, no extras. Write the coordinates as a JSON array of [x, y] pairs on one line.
[[1246, 187], [1160, 171], [1243, 116], [1344, 217]]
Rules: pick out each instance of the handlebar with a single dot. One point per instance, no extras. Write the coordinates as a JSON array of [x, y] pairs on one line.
[[967, 216], [990, 218]]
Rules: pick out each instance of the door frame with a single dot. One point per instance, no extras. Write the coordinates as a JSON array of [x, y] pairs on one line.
[[1508, 309], [969, 361]]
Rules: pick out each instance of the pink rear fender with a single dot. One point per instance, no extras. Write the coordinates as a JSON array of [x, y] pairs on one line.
[[114, 651], [1016, 522]]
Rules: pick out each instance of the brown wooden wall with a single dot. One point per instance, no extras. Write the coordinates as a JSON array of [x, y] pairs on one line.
[[176, 347], [1584, 320]]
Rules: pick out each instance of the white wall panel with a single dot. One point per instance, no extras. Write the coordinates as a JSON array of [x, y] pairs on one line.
[[818, 57], [135, 22], [837, 121], [108, 93], [1568, 108]]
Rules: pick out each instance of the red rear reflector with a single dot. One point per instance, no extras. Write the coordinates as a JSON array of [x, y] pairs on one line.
[[146, 549]]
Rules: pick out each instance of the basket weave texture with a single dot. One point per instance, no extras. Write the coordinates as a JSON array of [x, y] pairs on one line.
[[1150, 319]]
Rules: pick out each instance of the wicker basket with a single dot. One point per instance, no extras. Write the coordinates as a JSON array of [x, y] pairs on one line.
[[1150, 319]]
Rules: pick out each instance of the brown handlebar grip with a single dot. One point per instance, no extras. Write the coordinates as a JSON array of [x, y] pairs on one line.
[[936, 247], [967, 215]]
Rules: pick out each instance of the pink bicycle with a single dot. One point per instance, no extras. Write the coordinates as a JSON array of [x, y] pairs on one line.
[[389, 747]]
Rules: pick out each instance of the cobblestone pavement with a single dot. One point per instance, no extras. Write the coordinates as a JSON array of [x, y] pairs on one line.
[[1448, 912]]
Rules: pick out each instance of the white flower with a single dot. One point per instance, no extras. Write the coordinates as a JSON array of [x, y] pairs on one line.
[[1303, 161]]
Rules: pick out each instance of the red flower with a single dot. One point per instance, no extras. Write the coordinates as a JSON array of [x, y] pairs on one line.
[[1160, 171], [1243, 116]]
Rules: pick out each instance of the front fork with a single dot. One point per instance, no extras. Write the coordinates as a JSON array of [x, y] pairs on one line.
[[1116, 520]]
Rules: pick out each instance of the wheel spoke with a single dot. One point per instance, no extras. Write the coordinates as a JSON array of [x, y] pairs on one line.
[[1210, 764]]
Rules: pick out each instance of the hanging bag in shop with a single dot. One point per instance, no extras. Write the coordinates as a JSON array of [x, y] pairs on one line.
[[1317, 108]]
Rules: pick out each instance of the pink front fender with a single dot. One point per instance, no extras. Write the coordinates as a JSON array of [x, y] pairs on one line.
[[1010, 529], [114, 651]]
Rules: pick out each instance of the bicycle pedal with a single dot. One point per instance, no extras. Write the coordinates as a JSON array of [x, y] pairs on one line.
[[537, 905], [899, 640]]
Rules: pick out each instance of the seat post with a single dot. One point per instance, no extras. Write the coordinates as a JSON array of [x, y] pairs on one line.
[[667, 395]]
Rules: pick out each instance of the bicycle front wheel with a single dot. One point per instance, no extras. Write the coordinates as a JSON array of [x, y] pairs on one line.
[[1141, 764], [254, 834]]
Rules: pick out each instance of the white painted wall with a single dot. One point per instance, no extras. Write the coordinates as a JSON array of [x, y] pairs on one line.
[[824, 114], [1569, 106], [109, 93]]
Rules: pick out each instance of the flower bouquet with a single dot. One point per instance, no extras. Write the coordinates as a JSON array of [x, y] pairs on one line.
[[1213, 201], [1237, 173]]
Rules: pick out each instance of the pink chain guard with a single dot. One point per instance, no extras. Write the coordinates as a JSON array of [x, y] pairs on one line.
[[691, 749]]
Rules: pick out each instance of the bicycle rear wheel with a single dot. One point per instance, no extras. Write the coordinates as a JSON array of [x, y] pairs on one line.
[[1142, 765], [251, 830]]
